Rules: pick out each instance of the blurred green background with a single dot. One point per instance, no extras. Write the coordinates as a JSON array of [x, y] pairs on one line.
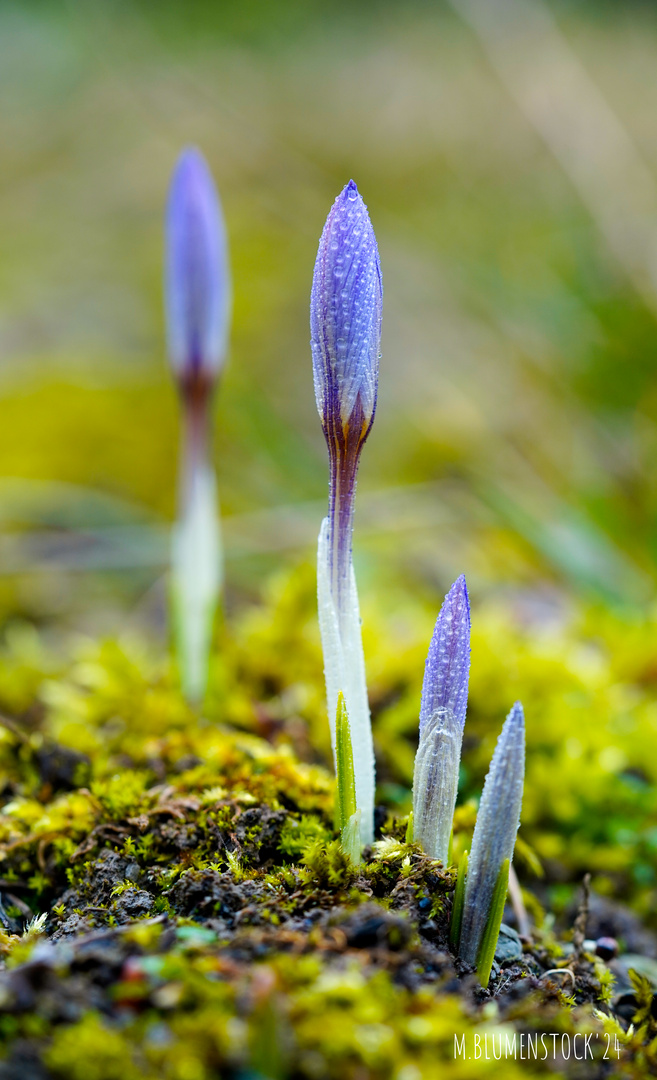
[[508, 154], [515, 437]]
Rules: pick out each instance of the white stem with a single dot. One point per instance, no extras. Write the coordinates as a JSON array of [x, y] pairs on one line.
[[197, 577], [344, 669], [435, 783]]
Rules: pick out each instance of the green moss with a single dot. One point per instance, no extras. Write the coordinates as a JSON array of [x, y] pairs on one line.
[[210, 852], [327, 866], [90, 1050], [586, 690], [298, 835]]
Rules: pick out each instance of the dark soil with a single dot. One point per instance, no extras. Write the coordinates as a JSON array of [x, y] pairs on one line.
[[391, 915]]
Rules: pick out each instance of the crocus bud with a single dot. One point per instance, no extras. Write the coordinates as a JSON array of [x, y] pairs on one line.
[[345, 328], [345, 319], [495, 832], [447, 669], [442, 716], [197, 307], [345, 334], [197, 277]]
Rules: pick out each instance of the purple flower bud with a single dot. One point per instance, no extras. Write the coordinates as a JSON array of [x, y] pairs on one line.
[[345, 319], [345, 332], [442, 716], [197, 308], [197, 277], [447, 669], [495, 831]]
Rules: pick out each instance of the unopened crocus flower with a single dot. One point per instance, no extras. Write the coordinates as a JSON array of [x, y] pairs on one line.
[[197, 292], [442, 716], [345, 328], [197, 276], [495, 831]]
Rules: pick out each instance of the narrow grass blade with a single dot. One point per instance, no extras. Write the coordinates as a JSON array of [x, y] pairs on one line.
[[409, 829], [350, 837], [347, 814], [492, 931], [345, 765], [457, 905]]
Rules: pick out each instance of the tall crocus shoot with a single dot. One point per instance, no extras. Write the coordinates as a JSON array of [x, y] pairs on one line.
[[345, 329], [442, 717], [492, 847], [197, 292]]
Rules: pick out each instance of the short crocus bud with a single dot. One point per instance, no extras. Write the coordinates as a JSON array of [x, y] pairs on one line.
[[442, 716], [493, 841], [345, 327], [197, 305], [197, 279]]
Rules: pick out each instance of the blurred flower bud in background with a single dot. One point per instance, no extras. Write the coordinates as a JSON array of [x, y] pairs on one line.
[[197, 276], [197, 306]]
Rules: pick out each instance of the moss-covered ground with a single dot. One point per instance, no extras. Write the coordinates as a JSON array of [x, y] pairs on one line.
[[175, 903]]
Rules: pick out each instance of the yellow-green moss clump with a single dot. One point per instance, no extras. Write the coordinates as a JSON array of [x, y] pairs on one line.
[[175, 902]]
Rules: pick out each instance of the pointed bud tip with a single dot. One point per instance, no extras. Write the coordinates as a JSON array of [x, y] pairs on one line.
[[197, 275], [350, 201], [458, 592], [190, 157], [447, 669], [517, 714], [512, 736], [457, 603], [191, 180]]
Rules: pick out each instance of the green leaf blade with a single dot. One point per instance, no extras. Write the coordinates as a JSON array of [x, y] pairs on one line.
[[346, 810], [493, 923], [457, 905]]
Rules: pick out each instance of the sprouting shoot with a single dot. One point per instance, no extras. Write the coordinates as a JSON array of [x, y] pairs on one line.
[[345, 329], [493, 842], [442, 717]]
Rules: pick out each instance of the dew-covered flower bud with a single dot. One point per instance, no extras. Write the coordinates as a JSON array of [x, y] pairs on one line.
[[197, 279], [442, 716], [345, 319], [447, 669], [345, 332], [345, 328], [494, 834]]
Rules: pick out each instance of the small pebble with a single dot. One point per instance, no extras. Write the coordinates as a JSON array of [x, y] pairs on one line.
[[606, 948]]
